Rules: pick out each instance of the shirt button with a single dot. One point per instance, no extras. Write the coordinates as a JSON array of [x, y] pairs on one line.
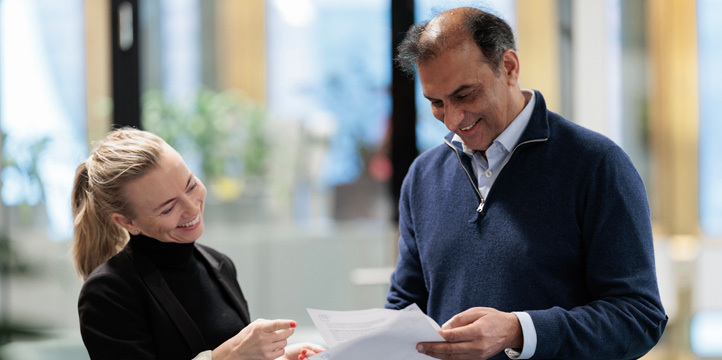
[[488, 173]]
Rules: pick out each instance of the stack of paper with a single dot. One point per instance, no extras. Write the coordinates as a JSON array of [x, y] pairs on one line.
[[374, 333]]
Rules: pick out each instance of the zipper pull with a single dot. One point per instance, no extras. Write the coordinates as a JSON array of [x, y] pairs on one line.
[[481, 206]]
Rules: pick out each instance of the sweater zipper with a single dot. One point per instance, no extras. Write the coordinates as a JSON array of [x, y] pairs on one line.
[[482, 201], [480, 208]]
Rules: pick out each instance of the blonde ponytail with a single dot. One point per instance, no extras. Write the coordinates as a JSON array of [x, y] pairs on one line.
[[124, 155]]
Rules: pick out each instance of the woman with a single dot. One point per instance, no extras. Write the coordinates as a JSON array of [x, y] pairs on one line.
[[159, 294]]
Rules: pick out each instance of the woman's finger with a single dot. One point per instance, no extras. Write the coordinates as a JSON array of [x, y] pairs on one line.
[[274, 325]]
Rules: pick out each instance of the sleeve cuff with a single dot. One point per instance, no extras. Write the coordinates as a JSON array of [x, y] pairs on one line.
[[206, 355], [529, 333]]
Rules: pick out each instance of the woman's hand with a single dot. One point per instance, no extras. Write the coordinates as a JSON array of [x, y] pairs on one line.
[[301, 351], [260, 340]]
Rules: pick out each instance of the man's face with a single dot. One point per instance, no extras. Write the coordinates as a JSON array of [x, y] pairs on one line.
[[467, 95]]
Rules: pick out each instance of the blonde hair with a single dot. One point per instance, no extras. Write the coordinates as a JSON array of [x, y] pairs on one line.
[[124, 155]]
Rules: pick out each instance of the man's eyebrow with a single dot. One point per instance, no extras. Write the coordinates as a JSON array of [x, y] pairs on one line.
[[171, 200], [458, 90]]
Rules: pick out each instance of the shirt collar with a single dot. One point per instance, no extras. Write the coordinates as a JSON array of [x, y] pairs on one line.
[[511, 135]]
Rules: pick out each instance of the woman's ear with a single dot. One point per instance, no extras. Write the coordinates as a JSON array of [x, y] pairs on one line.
[[123, 221]]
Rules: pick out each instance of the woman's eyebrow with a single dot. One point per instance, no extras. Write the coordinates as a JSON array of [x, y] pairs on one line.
[[170, 200]]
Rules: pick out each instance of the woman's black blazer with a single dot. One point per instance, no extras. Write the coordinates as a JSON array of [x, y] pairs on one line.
[[127, 310]]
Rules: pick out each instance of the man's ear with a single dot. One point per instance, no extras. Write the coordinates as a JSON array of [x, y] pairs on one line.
[[510, 66], [123, 221]]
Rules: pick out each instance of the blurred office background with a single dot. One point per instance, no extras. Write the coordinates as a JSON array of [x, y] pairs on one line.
[[292, 114]]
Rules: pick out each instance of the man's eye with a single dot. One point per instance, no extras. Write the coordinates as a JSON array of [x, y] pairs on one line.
[[437, 103]]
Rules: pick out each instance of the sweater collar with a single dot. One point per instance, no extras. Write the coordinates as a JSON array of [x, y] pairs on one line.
[[164, 254], [536, 129]]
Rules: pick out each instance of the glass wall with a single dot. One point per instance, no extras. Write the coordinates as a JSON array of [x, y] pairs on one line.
[[710, 86], [335, 95], [42, 140], [43, 111], [285, 155], [706, 325], [633, 82]]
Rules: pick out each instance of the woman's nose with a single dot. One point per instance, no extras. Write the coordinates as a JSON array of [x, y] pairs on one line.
[[189, 204]]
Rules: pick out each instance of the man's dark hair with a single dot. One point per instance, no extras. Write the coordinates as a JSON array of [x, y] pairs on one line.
[[491, 34]]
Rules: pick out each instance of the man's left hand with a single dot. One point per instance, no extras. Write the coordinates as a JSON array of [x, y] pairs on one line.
[[477, 333]]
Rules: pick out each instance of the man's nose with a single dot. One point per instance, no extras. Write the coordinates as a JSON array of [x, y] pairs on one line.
[[453, 116]]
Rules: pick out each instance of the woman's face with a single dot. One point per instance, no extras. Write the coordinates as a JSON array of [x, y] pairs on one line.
[[168, 202]]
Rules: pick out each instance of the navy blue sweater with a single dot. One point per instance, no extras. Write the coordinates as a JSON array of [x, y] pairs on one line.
[[564, 235]]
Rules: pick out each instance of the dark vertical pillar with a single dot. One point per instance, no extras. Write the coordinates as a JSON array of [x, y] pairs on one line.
[[126, 63], [403, 114]]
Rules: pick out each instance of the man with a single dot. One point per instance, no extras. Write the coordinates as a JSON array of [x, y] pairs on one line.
[[524, 234]]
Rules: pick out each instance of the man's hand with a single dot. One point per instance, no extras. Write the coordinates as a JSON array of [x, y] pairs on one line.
[[477, 333]]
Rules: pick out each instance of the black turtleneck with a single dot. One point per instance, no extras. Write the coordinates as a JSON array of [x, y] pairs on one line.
[[191, 281]]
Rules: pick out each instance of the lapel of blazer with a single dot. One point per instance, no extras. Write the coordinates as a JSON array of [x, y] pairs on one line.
[[226, 277], [162, 293]]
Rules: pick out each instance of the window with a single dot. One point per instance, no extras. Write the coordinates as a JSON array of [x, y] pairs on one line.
[[42, 105], [710, 128]]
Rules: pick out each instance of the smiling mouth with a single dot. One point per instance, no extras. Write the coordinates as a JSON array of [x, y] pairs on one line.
[[470, 126], [191, 223]]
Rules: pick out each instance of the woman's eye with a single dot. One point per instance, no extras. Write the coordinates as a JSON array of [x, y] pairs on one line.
[[167, 211]]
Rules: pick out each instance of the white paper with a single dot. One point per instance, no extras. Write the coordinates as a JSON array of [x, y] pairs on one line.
[[374, 333]]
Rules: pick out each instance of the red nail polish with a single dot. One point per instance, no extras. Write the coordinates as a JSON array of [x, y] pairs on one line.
[[304, 351], [293, 324], [301, 357]]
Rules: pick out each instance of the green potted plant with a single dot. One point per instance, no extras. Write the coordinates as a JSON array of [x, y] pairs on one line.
[[224, 130], [10, 262]]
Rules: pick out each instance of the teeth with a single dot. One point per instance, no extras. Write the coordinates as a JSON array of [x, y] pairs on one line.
[[192, 222], [470, 126]]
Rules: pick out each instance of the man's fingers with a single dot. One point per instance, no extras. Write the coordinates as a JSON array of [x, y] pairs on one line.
[[465, 318], [459, 334], [444, 348], [275, 325], [459, 320], [451, 356]]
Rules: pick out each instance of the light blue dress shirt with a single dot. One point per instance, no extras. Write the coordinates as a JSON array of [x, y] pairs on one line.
[[486, 170]]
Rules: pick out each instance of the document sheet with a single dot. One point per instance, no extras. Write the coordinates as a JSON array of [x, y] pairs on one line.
[[374, 333]]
